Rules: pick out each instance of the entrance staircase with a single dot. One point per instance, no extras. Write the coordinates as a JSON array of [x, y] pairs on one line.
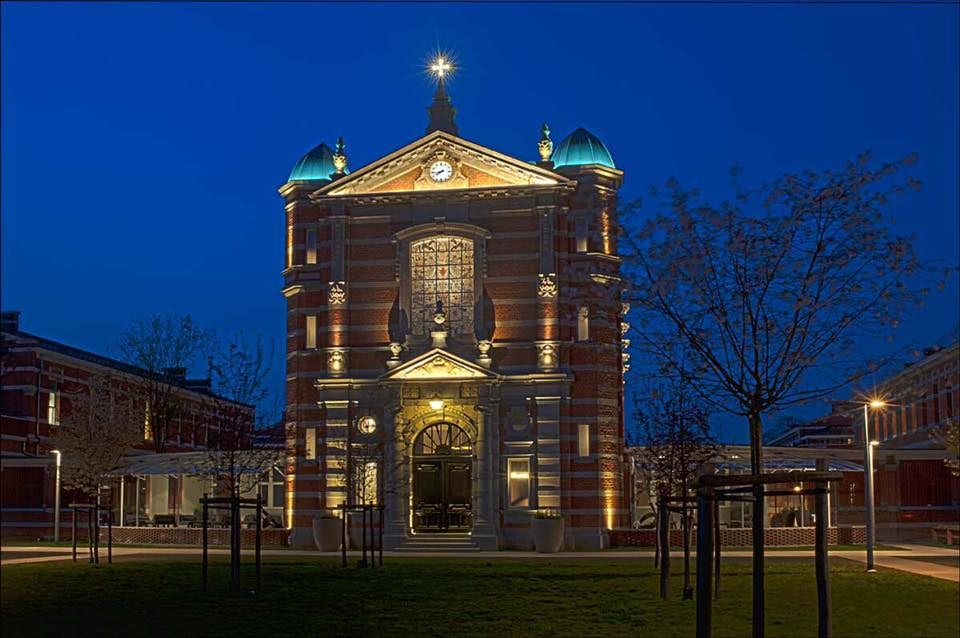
[[426, 542]]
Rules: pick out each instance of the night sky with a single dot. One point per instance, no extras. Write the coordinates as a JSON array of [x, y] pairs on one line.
[[142, 145]]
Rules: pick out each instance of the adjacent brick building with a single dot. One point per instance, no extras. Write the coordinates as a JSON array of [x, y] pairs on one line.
[[914, 488], [461, 418], [39, 377]]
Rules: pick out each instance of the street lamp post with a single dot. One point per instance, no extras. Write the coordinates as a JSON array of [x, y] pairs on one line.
[[56, 500], [868, 480]]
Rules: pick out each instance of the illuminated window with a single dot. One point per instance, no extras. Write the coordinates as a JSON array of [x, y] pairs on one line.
[[441, 268], [518, 479], [53, 408], [583, 439], [311, 243], [272, 487], [583, 324], [310, 444], [311, 331], [580, 230], [365, 481], [147, 426]]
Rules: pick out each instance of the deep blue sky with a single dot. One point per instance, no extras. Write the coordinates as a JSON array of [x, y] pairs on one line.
[[142, 145]]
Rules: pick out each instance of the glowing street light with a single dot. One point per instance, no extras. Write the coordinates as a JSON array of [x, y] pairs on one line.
[[868, 445], [56, 499]]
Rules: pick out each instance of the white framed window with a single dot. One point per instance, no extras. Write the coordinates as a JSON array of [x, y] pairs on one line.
[[442, 269], [583, 324], [518, 482], [53, 407], [311, 246], [311, 339], [310, 444], [272, 487], [583, 439]]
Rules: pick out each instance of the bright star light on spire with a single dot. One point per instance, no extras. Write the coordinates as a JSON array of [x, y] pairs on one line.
[[441, 66]]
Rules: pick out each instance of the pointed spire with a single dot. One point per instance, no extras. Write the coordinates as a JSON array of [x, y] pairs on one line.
[[442, 112]]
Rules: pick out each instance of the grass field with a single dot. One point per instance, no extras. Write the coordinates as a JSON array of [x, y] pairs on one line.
[[456, 597]]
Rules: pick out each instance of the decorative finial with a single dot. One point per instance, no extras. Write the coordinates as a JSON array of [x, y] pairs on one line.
[[340, 157], [545, 145]]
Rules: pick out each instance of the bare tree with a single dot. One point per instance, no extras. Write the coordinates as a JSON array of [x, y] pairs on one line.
[[675, 429], [164, 347], [242, 446], [100, 427], [773, 290]]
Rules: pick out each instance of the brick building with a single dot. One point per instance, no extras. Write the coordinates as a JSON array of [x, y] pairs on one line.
[[454, 343], [39, 377], [914, 488]]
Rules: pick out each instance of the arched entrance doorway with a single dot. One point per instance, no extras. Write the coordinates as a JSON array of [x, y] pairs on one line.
[[442, 463]]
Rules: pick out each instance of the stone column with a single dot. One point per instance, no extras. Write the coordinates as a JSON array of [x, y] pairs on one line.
[[485, 508], [396, 481]]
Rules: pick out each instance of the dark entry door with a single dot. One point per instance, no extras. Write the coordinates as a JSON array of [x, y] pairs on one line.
[[441, 489]]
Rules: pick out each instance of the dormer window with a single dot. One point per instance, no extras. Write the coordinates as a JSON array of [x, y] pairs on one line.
[[442, 269]]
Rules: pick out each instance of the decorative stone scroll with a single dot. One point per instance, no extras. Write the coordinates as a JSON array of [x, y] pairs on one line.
[[337, 294], [547, 285], [547, 357], [336, 363]]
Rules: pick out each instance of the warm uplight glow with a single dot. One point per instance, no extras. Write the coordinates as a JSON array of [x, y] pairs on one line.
[[441, 66], [796, 488], [436, 404], [874, 443], [520, 476]]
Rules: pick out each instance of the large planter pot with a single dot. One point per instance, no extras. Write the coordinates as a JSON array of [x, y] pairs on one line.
[[547, 534], [326, 533]]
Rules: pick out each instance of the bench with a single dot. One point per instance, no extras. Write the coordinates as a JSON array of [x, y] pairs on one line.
[[950, 533]]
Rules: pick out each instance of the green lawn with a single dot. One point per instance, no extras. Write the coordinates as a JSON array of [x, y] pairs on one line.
[[453, 597]]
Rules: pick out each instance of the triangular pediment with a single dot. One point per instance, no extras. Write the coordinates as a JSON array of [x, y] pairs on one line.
[[470, 166], [438, 365]]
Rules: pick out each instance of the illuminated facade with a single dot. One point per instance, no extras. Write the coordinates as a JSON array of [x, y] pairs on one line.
[[454, 338]]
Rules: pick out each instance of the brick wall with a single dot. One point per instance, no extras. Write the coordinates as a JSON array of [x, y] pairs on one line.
[[774, 537]]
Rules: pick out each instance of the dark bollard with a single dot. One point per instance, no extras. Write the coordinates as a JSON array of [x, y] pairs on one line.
[[74, 535], [258, 542], [203, 568], [705, 497], [716, 548], [824, 612], [343, 536]]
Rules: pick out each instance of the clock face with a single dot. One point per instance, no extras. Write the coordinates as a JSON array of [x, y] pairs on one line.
[[441, 171], [367, 425]]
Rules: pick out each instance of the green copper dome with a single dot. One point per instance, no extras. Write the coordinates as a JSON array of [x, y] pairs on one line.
[[317, 164], [581, 147]]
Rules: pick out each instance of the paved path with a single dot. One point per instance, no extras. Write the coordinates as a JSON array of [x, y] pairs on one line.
[[904, 558]]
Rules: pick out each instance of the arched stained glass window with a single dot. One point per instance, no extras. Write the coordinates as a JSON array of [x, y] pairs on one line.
[[442, 439], [441, 268]]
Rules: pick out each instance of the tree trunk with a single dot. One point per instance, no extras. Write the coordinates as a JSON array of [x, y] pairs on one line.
[[687, 590], [656, 537], [756, 466], [664, 533]]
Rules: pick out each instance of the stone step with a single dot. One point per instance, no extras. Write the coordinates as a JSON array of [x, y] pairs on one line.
[[439, 542], [413, 549]]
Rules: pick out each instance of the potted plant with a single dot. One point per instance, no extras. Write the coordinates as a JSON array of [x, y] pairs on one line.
[[547, 527], [326, 531]]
